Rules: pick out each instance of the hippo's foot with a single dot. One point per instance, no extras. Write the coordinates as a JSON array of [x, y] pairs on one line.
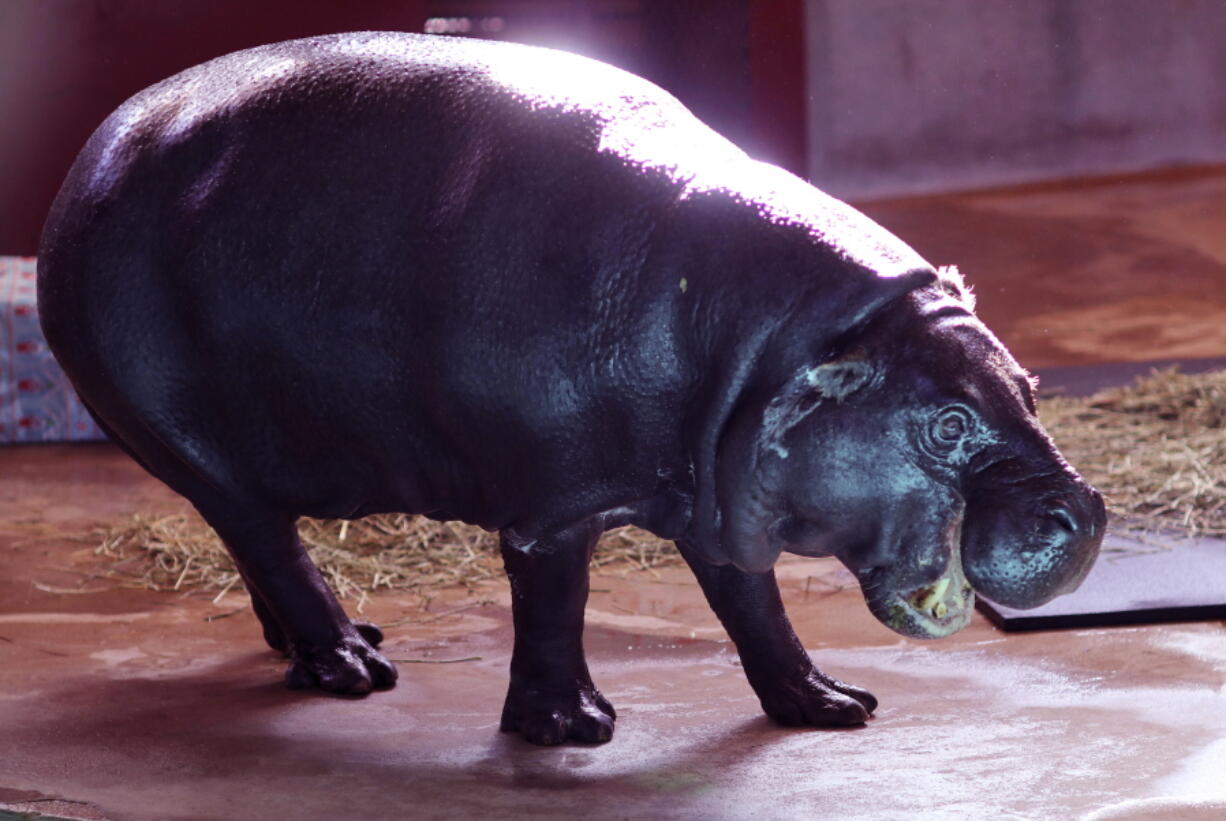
[[815, 699], [551, 716], [351, 667]]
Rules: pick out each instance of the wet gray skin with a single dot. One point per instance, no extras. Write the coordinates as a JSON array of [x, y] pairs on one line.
[[915, 456]]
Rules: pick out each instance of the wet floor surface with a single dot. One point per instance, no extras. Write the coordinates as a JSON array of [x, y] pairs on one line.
[[127, 704]]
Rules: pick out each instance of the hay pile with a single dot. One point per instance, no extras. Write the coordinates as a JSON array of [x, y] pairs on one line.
[[387, 552], [1155, 449]]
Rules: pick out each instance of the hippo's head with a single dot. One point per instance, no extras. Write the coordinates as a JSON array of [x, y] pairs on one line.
[[914, 455]]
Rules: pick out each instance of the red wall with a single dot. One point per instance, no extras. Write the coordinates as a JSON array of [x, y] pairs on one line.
[[65, 64], [777, 83]]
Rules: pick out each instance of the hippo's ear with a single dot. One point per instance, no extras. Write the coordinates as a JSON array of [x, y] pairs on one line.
[[750, 484], [829, 382]]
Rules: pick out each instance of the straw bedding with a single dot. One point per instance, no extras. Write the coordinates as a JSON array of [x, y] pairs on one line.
[[379, 553], [1155, 449]]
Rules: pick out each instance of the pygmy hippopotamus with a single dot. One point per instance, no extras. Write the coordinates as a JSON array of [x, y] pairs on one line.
[[519, 288]]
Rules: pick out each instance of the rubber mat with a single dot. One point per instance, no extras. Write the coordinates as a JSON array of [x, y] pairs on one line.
[[1161, 579]]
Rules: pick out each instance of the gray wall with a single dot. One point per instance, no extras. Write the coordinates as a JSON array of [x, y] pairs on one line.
[[911, 96]]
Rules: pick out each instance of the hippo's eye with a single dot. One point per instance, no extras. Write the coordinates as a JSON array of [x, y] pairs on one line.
[[947, 430], [951, 427]]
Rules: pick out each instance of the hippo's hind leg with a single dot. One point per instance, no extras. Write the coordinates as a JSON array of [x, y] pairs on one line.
[[551, 696], [791, 689], [274, 633], [300, 615]]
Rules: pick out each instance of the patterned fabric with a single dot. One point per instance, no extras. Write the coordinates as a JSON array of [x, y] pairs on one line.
[[36, 402]]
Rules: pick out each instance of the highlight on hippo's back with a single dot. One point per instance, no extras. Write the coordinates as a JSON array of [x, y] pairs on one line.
[[529, 291]]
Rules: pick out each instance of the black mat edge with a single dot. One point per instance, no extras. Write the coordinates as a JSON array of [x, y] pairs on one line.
[[1130, 618]]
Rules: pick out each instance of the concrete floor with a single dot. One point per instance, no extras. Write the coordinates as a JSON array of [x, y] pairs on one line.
[[126, 704]]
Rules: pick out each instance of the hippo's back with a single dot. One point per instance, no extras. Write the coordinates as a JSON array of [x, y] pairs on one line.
[[327, 258], [293, 135]]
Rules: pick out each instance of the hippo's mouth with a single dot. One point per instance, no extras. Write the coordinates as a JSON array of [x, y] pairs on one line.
[[932, 611]]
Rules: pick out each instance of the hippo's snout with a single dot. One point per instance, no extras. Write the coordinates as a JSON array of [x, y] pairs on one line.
[[1023, 561]]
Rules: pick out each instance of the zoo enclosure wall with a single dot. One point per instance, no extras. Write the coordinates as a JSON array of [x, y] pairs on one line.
[[869, 98]]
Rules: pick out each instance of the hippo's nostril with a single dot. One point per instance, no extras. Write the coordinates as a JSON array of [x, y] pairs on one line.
[[1063, 519]]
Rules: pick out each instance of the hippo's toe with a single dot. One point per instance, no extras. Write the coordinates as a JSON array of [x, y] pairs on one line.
[[369, 631]]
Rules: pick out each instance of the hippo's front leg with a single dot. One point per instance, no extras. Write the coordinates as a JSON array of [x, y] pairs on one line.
[[551, 696], [791, 689]]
